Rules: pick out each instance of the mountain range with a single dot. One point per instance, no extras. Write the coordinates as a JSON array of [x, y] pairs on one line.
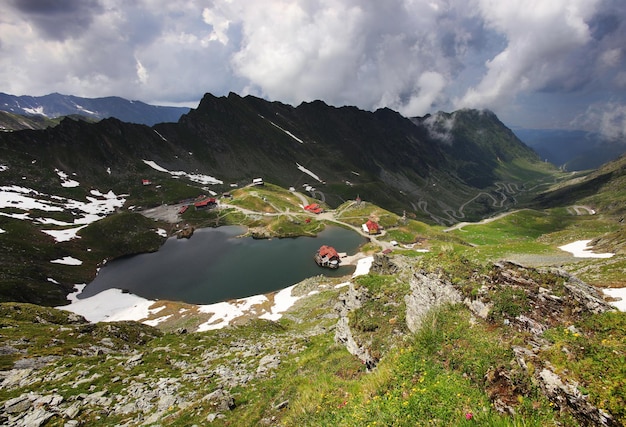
[[56, 105], [341, 152]]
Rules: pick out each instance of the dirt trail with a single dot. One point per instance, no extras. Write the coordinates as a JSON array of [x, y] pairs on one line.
[[484, 221]]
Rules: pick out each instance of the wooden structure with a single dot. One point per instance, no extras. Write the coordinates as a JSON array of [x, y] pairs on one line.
[[327, 256]]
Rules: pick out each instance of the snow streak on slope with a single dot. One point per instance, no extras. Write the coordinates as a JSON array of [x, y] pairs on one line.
[[308, 172], [199, 178], [284, 130]]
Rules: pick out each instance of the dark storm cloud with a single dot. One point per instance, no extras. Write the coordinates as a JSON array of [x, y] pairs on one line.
[[58, 19]]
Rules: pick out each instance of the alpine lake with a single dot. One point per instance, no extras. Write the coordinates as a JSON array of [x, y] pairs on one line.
[[216, 264]]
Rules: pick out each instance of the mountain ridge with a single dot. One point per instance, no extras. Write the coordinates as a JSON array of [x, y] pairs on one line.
[[380, 155], [55, 105]]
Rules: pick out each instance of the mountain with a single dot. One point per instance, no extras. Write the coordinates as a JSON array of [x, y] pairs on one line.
[[56, 105], [10, 122], [572, 149], [398, 163]]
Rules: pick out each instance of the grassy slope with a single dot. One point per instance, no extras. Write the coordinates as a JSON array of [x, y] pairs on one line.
[[435, 377]]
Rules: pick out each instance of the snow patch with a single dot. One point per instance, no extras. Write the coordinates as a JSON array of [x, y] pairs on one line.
[[65, 180], [109, 306], [363, 266], [224, 312], [36, 111], [581, 249], [3, 168], [283, 301], [68, 260], [308, 172], [64, 235], [199, 178], [286, 131], [27, 200], [619, 294], [161, 232]]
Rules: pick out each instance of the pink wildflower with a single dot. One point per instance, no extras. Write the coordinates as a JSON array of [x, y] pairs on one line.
[[469, 416]]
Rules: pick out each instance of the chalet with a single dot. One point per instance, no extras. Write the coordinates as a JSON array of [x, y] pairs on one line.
[[146, 182], [257, 181], [327, 256], [371, 227], [314, 207], [207, 203], [183, 209]]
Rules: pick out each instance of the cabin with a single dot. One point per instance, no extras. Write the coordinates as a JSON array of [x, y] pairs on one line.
[[327, 256], [146, 182], [257, 181], [183, 209], [371, 227], [314, 207], [208, 203]]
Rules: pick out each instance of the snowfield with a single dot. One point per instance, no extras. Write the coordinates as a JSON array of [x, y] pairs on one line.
[[96, 206], [581, 249]]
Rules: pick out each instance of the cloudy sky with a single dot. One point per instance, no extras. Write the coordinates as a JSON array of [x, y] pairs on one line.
[[536, 63]]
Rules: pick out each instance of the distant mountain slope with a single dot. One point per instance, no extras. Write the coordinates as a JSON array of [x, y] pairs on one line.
[[55, 105], [572, 149], [603, 189], [10, 122]]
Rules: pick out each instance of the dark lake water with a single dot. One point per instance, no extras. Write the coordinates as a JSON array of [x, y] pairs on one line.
[[215, 265]]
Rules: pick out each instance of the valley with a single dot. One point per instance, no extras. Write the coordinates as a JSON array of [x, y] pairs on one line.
[[444, 322]]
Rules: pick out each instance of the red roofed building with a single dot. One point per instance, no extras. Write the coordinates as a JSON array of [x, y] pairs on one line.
[[372, 227], [327, 256], [206, 203], [314, 207]]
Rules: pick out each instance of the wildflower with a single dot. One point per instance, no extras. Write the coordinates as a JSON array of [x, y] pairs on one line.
[[469, 415]]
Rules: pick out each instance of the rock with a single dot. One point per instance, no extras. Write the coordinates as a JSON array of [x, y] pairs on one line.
[[16, 377], [220, 399], [72, 411], [568, 395], [282, 405], [17, 404], [35, 362], [427, 292], [352, 300], [382, 264], [36, 418], [134, 360], [268, 363]]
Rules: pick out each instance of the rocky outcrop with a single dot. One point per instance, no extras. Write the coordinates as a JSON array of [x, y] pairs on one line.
[[351, 300], [427, 292], [552, 297]]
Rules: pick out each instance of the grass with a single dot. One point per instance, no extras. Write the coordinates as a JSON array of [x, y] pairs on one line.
[[594, 353]]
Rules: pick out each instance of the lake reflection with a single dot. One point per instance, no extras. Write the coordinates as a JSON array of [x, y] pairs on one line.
[[216, 265]]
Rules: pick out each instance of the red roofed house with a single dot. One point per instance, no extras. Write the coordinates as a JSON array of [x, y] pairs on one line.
[[372, 227], [146, 182], [207, 203], [313, 207], [327, 256]]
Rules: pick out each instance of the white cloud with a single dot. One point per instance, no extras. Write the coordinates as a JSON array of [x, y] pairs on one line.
[[415, 56], [540, 37], [609, 119]]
